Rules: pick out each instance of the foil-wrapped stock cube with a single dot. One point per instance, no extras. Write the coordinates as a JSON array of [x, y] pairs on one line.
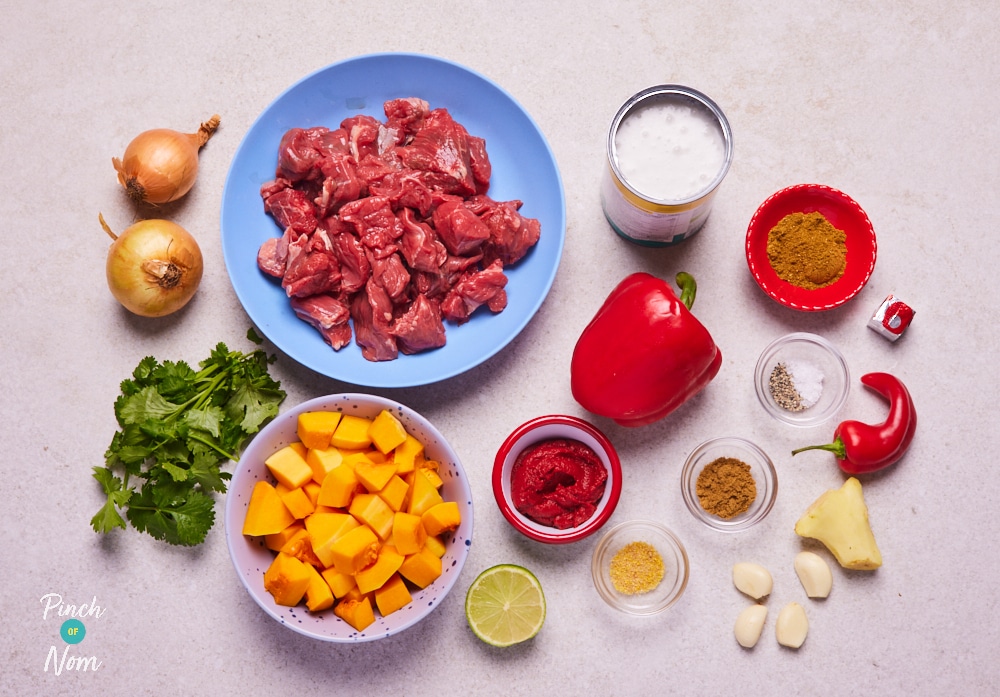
[[891, 318]]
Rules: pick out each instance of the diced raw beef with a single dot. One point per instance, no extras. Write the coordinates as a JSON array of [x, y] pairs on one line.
[[291, 208], [419, 328], [436, 284], [441, 146], [419, 244], [375, 223], [355, 268], [390, 273], [371, 324], [301, 149], [329, 315], [459, 228], [311, 269], [405, 115], [340, 184], [482, 170], [362, 135], [512, 235], [474, 289], [272, 257]]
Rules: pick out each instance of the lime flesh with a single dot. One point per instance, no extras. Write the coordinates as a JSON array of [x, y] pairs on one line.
[[505, 605]]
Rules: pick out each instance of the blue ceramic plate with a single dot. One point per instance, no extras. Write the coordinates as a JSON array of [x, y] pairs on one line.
[[523, 168]]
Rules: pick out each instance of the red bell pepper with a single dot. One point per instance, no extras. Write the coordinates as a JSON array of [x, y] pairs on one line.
[[644, 353], [861, 448]]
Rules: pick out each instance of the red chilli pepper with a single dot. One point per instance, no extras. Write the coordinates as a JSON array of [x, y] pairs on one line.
[[644, 353], [861, 448]]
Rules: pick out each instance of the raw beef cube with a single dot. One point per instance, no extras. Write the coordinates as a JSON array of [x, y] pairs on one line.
[[340, 183], [301, 149], [459, 228], [311, 269], [405, 115], [328, 315], [390, 273], [371, 310], [355, 268], [375, 223], [482, 170], [511, 234], [474, 289], [420, 327], [362, 135], [291, 208], [419, 244], [441, 146], [272, 257]]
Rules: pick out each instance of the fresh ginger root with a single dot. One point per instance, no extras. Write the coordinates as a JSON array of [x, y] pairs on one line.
[[839, 519]]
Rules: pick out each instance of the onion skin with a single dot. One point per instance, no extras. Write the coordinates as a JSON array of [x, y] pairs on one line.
[[154, 267], [161, 165]]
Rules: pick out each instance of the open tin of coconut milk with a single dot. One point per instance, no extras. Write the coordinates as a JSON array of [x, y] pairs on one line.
[[669, 148]]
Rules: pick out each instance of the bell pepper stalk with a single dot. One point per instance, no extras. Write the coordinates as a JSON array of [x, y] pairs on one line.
[[861, 448], [644, 353]]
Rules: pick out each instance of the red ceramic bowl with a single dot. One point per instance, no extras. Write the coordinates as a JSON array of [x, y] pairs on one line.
[[844, 214], [545, 428]]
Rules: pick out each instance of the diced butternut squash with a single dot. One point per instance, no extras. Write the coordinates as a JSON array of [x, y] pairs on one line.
[[352, 433], [407, 455], [373, 577], [430, 470], [312, 491], [289, 467], [340, 584], [325, 529], [315, 428], [357, 613], [441, 518], [355, 550], [421, 569], [286, 580], [392, 596], [322, 461], [339, 487], [276, 540], [298, 503], [300, 547], [423, 494], [435, 545], [386, 432], [374, 477], [266, 514], [319, 597], [408, 533], [394, 493], [371, 510]]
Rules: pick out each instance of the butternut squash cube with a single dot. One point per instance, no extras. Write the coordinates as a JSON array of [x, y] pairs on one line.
[[408, 533], [289, 467], [408, 455], [276, 540], [436, 546], [286, 580], [371, 510], [394, 493], [298, 503], [266, 514], [357, 613], [374, 477], [423, 494], [352, 433], [312, 491], [315, 428], [340, 584], [392, 596], [325, 529], [430, 470], [386, 432], [441, 518], [319, 597], [355, 550], [322, 461], [374, 577], [300, 547], [339, 487], [421, 569]]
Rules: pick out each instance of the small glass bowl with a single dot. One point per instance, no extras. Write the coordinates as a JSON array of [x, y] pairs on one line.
[[807, 349], [761, 468], [675, 567], [544, 428]]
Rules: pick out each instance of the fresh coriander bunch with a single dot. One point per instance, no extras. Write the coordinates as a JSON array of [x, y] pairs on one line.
[[178, 427]]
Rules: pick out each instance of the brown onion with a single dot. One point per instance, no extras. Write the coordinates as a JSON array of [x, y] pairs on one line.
[[160, 165], [154, 267]]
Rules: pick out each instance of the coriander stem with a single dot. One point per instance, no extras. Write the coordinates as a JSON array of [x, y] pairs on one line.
[[213, 446]]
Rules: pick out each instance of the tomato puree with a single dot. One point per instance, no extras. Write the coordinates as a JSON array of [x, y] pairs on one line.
[[558, 482]]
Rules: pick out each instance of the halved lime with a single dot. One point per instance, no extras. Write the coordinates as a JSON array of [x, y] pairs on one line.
[[505, 605]]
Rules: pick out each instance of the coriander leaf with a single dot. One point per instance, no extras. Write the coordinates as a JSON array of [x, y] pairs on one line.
[[205, 471], [176, 514], [209, 420], [253, 336], [177, 473], [146, 404], [107, 519], [255, 405]]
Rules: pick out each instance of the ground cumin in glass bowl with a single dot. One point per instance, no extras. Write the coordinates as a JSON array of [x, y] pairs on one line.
[[727, 449], [802, 379], [844, 214]]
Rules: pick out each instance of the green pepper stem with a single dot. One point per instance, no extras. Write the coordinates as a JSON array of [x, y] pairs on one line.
[[688, 288], [836, 447]]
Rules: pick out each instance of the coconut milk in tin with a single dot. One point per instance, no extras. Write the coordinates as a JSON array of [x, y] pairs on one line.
[[669, 148]]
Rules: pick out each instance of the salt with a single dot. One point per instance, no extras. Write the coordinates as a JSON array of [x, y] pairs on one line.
[[807, 380]]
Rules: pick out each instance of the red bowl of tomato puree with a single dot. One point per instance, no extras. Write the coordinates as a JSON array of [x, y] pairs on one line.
[[557, 479]]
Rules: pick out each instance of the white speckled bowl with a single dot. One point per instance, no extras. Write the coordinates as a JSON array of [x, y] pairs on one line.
[[251, 558]]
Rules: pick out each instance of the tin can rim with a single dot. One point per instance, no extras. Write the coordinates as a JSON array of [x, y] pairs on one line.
[[654, 92]]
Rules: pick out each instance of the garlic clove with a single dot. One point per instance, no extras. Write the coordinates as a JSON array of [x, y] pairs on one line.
[[752, 579], [792, 626], [749, 625], [814, 574]]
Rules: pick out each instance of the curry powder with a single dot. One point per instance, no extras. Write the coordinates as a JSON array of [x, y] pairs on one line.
[[725, 487], [806, 250]]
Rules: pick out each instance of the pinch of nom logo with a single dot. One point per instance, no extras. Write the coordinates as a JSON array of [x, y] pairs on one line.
[[72, 631]]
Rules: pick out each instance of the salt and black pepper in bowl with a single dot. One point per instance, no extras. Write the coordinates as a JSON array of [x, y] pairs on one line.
[[802, 379], [729, 484]]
